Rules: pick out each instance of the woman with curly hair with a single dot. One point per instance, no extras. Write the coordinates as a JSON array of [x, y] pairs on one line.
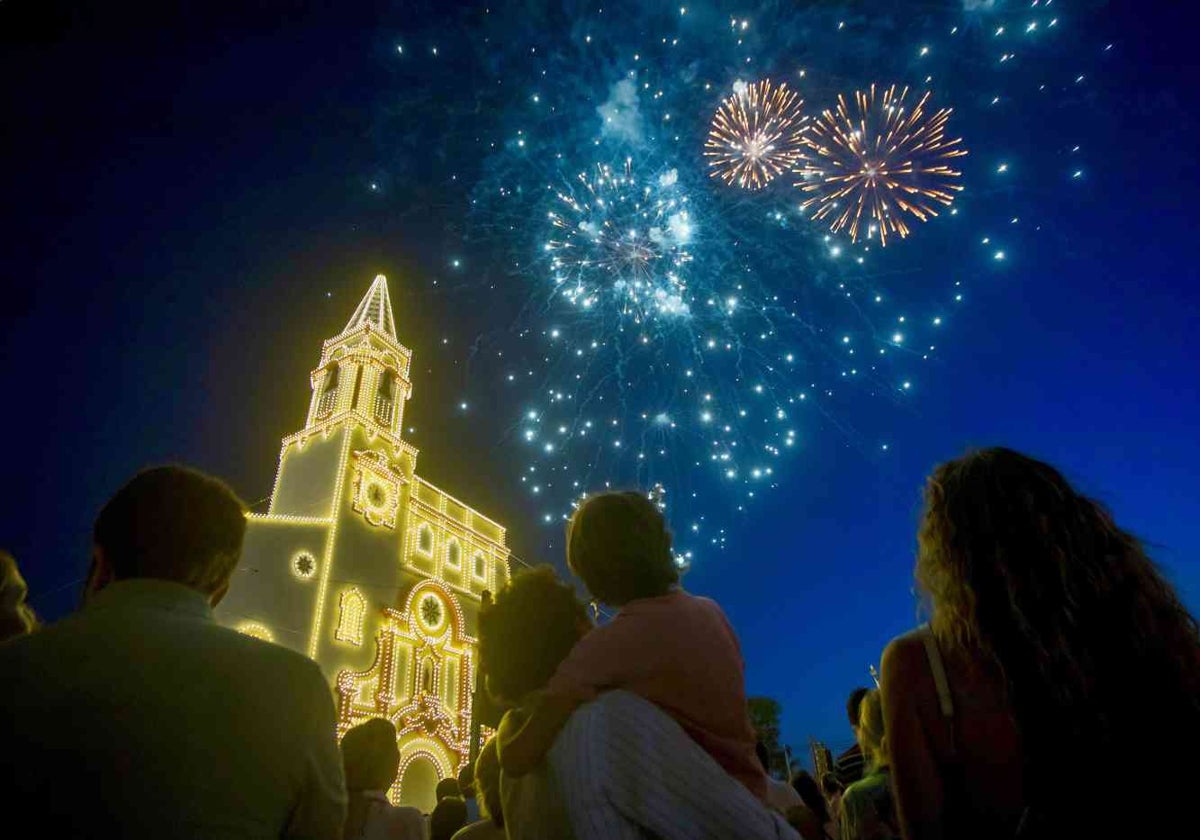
[[1059, 666]]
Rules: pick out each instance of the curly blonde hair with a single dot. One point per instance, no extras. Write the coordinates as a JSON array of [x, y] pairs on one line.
[[1019, 567]]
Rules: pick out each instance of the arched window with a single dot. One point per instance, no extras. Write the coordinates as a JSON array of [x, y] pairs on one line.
[[425, 540], [453, 553], [387, 384], [385, 398], [352, 610], [328, 391], [427, 676], [480, 565]]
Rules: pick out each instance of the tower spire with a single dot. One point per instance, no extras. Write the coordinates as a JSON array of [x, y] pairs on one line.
[[375, 309]]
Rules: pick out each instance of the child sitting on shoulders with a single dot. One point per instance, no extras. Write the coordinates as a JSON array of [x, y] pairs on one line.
[[674, 649]]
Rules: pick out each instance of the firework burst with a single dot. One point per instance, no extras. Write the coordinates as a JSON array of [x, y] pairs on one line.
[[865, 169], [621, 242], [755, 135]]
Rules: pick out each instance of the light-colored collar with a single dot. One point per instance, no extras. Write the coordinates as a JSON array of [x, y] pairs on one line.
[[139, 594], [381, 795]]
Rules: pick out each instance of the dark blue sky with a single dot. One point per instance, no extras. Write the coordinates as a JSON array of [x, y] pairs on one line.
[[187, 213]]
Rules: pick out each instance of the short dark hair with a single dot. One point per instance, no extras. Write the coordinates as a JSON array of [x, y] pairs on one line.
[[173, 523], [466, 778], [449, 815], [448, 787], [370, 756], [527, 632], [853, 703], [619, 544]]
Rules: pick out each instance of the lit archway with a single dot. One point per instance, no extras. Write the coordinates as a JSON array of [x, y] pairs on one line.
[[423, 763]]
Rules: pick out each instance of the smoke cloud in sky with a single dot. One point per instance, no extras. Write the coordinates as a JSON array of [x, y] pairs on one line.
[[620, 116]]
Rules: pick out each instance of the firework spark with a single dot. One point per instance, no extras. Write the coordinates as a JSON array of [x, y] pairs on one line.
[[622, 241], [755, 135], [868, 168]]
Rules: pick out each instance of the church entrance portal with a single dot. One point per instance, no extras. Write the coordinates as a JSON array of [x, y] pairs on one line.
[[418, 785]]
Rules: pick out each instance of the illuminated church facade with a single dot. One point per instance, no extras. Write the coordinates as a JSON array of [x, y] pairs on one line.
[[367, 568]]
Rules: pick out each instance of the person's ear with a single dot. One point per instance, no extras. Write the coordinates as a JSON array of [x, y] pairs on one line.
[[100, 573], [219, 593]]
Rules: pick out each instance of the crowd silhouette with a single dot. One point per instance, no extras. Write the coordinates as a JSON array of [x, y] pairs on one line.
[[1053, 692]]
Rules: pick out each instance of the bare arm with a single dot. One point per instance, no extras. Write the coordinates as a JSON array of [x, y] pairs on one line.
[[522, 747], [908, 698]]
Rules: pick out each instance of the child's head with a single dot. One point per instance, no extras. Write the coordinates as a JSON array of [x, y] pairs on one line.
[[618, 543]]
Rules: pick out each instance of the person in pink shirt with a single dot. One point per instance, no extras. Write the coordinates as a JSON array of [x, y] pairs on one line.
[[674, 649]]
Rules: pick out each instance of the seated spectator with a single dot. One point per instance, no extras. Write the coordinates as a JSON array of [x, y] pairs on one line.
[[780, 795], [674, 649], [1060, 667], [867, 810], [140, 716], [487, 786], [372, 759], [849, 765], [810, 794], [449, 815], [16, 616], [466, 784], [448, 787], [620, 767]]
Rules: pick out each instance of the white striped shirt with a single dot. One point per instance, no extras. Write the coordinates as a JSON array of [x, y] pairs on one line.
[[623, 768]]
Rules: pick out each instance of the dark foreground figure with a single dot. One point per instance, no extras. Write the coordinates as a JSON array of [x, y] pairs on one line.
[[140, 716], [1054, 694], [1059, 678]]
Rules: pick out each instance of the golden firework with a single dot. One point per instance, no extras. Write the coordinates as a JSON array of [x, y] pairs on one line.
[[755, 135], [866, 169]]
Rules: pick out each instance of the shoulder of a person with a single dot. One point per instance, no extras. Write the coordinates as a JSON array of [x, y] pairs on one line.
[[70, 632], [709, 608], [404, 815], [281, 662], [905, 653], [684, 602], [856, 792], [16, 650], [479, 828]]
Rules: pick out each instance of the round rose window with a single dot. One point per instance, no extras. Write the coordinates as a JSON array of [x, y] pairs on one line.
[[431, 611]]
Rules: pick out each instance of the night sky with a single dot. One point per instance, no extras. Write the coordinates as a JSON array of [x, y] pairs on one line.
[[194, 200]]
